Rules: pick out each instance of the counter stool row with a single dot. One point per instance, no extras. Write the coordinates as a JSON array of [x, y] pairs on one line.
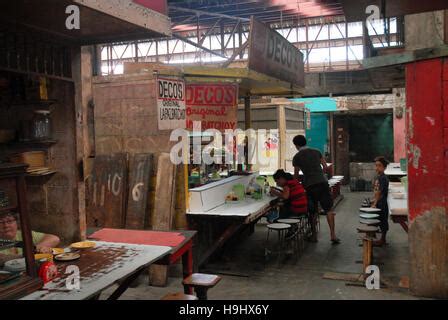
[[291, 234]]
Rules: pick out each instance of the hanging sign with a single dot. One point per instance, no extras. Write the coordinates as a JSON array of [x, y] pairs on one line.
[[171, 103], [214, 105], [271, 54]]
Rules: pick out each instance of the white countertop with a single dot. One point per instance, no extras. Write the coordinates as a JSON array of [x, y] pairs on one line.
[[394, 169], [244, 208]]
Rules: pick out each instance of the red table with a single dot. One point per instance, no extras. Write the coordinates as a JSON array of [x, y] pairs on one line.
[[181, 243]]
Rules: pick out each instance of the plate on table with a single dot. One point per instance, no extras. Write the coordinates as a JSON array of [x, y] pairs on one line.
[[67, 257], [5, 276], [370, 210], [369, 216], [83, 245], [56, 251], [16, 265]]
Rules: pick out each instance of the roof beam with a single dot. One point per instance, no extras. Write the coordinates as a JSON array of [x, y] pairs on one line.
[[198, 46], [205, 13]]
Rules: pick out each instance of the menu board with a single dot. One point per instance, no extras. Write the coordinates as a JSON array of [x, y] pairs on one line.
[[215, 106]]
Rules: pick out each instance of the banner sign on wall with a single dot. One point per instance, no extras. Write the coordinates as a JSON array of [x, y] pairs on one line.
[[214, 105], [171, 103]]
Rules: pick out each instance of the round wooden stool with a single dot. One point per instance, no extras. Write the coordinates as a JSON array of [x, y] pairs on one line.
[[281, 229], [370, 210], [370, 231], [296, 232], [370, 222], [201, 283], [369, 216], [179, 296]]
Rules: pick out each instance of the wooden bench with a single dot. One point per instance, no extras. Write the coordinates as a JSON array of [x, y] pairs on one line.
[[201, 283]]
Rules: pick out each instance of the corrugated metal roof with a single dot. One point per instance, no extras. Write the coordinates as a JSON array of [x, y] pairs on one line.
[[268, 11]]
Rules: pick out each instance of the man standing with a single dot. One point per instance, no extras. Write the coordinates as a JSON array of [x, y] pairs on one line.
[[309, 160]]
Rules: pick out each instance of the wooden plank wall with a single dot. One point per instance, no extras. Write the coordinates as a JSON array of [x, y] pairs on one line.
[[140, 171], [163, 214], [125, 110], [107, 191]]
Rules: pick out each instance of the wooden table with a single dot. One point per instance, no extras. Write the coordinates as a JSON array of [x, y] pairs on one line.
[[398, 208], [183, 250], [101, 267], [218, 225]]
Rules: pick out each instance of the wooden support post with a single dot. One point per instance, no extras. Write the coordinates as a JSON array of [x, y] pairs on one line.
[[247, 125], [240, 39], [82, 74], [247, 113], [282, 135]]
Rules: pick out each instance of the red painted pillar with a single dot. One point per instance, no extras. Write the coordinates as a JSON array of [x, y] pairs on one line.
[[427, 150]]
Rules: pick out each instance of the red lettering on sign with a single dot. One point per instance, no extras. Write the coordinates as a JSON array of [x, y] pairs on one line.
[[211, 95]]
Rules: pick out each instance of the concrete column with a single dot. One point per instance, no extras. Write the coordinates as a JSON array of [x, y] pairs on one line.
[[427, 151]]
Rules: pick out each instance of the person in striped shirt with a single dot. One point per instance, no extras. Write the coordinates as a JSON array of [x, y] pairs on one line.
[[293, 195]]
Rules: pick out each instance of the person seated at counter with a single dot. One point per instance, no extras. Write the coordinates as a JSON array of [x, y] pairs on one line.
[[292, 195], [9, 230], [381, 190]]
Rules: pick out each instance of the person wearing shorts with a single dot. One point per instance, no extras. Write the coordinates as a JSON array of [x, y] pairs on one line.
[[311, 161]]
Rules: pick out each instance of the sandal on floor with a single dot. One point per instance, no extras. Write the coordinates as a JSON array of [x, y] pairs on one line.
[[336, 241]]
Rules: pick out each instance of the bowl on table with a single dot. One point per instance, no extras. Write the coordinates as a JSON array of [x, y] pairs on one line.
[[43, 257]]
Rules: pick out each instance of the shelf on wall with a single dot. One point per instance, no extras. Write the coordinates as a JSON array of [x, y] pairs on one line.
[[44, 174], [9, 208], [34, 102], [25, 144]]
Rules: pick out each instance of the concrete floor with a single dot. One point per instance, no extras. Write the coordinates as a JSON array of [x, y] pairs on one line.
[[254, 278]]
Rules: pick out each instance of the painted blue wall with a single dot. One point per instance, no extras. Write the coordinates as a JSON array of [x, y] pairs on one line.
[[318, 104], [317, 135]]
